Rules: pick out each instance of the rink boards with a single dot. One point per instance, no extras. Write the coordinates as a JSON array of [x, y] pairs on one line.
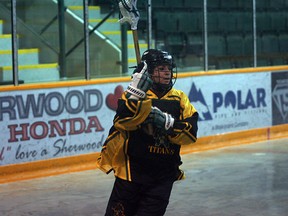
[[64, 125]]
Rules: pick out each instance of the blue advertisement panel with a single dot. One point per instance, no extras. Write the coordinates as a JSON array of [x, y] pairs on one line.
[[279, 84], [232, 102]]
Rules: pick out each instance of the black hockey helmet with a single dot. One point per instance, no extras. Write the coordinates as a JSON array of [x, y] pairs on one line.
[[154, 58]]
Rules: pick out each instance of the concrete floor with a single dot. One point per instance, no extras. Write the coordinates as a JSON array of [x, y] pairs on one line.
[[247, 180]]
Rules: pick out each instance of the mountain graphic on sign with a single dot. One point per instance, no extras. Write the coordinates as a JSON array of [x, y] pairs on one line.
[[197, 99]]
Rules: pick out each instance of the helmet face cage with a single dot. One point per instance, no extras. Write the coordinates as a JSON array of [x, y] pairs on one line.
[[156, 58]]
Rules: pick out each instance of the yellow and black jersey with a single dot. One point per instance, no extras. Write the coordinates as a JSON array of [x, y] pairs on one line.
[[136, 155]]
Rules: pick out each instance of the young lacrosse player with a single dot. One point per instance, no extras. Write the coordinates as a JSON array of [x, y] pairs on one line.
[[152, 121]]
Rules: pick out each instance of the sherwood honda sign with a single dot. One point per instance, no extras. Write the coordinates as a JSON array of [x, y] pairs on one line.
[[42, 124]]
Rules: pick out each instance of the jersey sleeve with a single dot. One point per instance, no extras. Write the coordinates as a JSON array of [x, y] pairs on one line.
[[131, 113], [185, 129]]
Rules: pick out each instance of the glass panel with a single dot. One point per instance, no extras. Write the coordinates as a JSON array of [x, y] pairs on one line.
[[104, 40], [37, 49], [229, 26], [51, 46], [272, 32], [192, 21], [183, 37], [244, 55], [6, 73], [177, 27]]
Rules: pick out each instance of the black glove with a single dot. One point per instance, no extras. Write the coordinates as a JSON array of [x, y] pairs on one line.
[[160, 119], [141, 82]]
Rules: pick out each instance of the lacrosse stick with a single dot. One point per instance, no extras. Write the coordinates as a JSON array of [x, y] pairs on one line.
[[130, 14], [128, 9]]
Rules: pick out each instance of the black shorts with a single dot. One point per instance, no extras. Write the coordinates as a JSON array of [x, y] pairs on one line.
[[131, 199]]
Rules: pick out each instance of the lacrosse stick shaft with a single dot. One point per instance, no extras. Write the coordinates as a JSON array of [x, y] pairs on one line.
[[136, 45]]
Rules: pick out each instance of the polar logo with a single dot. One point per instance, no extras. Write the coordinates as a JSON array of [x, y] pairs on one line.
[[197, 99], [239, 100], [280, 97]]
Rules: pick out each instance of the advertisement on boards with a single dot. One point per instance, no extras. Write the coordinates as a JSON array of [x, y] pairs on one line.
[[44, 124], [52, 123], [279, 83], [231, 102]]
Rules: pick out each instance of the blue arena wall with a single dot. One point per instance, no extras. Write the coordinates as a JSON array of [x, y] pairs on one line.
[[54, 128]]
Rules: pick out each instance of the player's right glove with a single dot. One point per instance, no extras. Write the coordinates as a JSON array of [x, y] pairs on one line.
[[141, 82]]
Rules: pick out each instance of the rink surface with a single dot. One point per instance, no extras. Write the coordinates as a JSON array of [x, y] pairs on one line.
[[246, 180]]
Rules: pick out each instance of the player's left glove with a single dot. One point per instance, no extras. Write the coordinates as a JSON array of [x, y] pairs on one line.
[[159, 119]]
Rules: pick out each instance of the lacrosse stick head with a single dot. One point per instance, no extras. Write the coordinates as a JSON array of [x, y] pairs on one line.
[[129, 12]]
